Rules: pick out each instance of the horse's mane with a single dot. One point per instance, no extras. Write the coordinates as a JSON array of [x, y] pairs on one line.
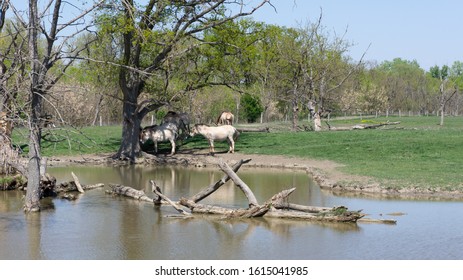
[[149, 127], [198, 124]]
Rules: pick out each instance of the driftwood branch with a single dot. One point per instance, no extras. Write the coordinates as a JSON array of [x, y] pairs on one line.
[[131, 192], [377, 221], [239, 183], [215, 186], [303, 208], [176, 206], [251, 212], [71, 187], [265, 129], [336, 214], [77, 182], [361, 126]]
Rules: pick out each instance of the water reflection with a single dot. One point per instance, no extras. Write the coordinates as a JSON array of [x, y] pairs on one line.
[[102, 226]]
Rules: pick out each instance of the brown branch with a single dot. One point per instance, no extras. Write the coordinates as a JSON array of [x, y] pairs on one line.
[[239, 183], [130, 192], [215, 186], [158, 192], [77, 182]]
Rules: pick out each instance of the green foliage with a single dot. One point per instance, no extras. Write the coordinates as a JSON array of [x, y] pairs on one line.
[[439, 73], [251, 107]]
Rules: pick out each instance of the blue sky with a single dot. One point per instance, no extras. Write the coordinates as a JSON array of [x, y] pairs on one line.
[[429, 32]]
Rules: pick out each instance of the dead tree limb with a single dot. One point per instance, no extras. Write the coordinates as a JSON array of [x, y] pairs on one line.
[[301, 208], [176, 206], [377, 221], [77, 182], [251, 212], [215, 186], [239, 183], [261, 210], [204, 208], [265, 129], [71, 187], [371, 126], [131, 192], [361, 126], [348, 216]]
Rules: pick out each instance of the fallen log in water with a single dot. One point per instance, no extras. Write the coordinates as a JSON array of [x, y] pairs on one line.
[[301, 208], [330, 216], [377, 221], [131, 192], [72, 187], [157, 191], [275, 207], [252, 211]]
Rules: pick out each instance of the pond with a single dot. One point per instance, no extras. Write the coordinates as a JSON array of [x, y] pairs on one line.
[[102, 226]]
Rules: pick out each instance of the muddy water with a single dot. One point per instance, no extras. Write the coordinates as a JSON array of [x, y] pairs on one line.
[[100, 226]]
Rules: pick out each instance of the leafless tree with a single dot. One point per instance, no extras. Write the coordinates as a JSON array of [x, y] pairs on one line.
[[56, 32]]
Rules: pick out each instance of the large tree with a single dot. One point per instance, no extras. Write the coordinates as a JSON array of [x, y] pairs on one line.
[[150, 36]]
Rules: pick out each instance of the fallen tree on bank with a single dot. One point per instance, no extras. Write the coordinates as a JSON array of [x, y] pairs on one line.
[[361, 126], [275, 207]]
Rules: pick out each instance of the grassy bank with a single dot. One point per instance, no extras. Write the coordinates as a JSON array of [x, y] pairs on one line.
[[417, 152]]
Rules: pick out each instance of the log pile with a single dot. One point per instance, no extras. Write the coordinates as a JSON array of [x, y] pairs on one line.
[[250, 129], [275, 207], [361, 126], [49, 187]]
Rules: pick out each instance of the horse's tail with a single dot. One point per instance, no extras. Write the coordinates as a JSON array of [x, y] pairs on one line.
[[236, 134]]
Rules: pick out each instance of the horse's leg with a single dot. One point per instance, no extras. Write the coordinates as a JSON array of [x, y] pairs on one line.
[[172, 143], [211, 146], [231, 145]]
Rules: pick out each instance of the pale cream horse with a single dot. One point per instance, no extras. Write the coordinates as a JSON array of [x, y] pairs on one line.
[[225, 118], [220, 133]]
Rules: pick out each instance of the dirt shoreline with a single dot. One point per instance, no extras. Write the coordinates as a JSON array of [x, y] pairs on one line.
[[326, 173]]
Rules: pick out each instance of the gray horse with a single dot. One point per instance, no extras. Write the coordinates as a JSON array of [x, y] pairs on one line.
[[181, 120]]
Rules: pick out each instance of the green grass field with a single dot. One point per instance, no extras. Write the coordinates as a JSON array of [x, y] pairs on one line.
[[417, 152]]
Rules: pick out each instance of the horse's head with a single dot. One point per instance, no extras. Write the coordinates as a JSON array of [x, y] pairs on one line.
[[145, 133], [194, 131], [198, 129]]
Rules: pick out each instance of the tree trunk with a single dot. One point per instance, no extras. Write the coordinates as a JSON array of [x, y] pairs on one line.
[[295, 114], [317, 122], [32, 203], [131, 124]]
